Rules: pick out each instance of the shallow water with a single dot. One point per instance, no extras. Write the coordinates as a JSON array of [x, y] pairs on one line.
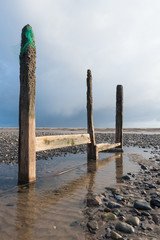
[[53, 207]]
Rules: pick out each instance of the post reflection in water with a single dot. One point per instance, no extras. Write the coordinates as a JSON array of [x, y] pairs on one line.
[[93, 166], [119, 168], [25, 211]]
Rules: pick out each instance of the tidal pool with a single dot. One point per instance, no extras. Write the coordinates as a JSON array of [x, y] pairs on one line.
[[52, 208]]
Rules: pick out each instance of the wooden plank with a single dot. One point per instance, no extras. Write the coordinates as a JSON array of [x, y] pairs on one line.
[[105, 146], [119, 115], [60, 141], [27, 157], [91, 148]]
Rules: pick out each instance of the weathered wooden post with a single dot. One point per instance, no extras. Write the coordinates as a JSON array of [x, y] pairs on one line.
[[92, 151], [119, 116], [27, 155]]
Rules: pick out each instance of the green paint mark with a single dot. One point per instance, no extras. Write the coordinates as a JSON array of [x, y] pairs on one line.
[[30, 41]]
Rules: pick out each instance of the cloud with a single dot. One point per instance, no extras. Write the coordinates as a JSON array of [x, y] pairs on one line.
[[118, 40]]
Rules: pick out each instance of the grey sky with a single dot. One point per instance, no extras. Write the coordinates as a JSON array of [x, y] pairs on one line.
[[119, 40]]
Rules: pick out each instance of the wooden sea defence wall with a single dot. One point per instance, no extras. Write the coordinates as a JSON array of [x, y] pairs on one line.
[[29, 144]]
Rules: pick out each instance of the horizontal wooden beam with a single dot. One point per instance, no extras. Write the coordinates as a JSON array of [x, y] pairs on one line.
[[60, 141], [105, 146]]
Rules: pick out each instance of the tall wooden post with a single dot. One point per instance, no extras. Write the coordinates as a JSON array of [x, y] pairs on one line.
[[92, 151], [119, 115], [27, 155]]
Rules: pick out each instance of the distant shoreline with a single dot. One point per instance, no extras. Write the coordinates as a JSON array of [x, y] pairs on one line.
[[82, 130]]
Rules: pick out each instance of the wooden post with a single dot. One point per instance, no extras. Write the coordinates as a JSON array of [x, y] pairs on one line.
[[27, 155], [119, 115], [92, 151]]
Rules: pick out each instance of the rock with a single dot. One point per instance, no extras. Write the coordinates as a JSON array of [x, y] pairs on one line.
[[75, 223], [124, 227], [126, 177], [134, 221], [155, 203], [93, 225], [107, 209], [141, 205], [108, 216], [151, 185], [143, 226], [115, 235], [156, 219], [144, 167], [145, 214], [114, 205], [94, 202], [115, 211], [122, 218], [143, 218], [154, 194], [119, 197]]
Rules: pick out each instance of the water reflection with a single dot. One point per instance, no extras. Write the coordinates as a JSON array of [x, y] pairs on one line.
[[36, 209], [93, 166], [25, 212], [119, 168]]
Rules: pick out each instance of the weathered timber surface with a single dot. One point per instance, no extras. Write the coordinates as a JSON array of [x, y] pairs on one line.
[[91, 148], [105, 146], [26, 157], [60, 141], [119, 115]]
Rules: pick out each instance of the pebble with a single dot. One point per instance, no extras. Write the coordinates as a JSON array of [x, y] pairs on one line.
[[124, 227], [113, 205], [94, 201], [155, 203], [141, 205], [126, 177], [115, 235], [134, 221], [92, 226], [119, 197], [108, 216]]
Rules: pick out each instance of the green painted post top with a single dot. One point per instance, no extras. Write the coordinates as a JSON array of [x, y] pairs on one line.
[[27, 39]]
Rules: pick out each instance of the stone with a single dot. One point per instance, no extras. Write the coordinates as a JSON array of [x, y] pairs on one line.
[[124, 227], [108, 216], [126, 177], [134, 221], [75, 223], [155, 203], [145, 214], [154, 194], [143, 167], [156, 219], [115, 235], [141, 205], [119, 197], [143, 226], [151, 185], [107, 209], [94, 202], [93, 225], [114, 205]]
